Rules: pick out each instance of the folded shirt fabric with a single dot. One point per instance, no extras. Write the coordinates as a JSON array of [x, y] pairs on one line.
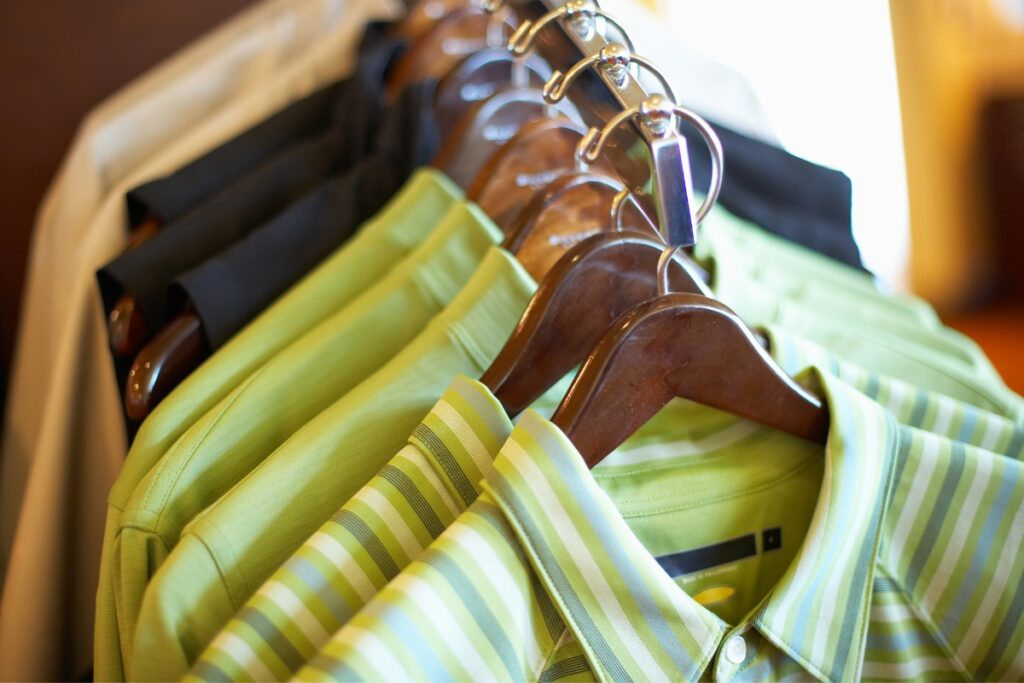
[[395, 232], [805, 562], [785, 195], [232, 287], [231, 440], [303, 469], [390, 521]]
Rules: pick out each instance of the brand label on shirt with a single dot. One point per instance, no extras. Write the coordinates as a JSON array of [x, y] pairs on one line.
[[707, 557]]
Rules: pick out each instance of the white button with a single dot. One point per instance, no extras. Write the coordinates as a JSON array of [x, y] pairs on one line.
[[736, 649]]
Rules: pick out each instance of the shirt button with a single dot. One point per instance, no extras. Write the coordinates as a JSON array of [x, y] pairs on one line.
[[736, 650]]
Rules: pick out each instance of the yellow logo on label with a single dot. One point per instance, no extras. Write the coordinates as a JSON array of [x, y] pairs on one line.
[[710, 596]]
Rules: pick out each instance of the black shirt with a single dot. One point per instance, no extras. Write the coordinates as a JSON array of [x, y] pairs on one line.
[[782, 193], [260, 193], [229, 289], [170, 197]]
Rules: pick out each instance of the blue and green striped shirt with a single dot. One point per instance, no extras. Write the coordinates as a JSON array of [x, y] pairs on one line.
[[894, 554]]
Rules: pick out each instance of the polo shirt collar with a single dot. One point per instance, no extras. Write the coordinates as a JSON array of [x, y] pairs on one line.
[[633, 620], [460, 436]]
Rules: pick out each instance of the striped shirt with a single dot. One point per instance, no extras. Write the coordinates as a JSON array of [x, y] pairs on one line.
[[908, 565], [296, 611]]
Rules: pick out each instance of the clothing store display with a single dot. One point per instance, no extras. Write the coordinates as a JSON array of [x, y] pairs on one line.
[[248, 424], [387, 460], [64, 435], [205, 567], [115, 140], [851, 597], [230, 288], [414, 497], [288, 154]]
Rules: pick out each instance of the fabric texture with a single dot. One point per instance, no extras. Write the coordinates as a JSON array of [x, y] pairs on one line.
[[382, 529], [788, 196], [233, 438], [64, 432], [206, 561], [386, 239], [767, 280], [257, 196], [229, 289], [203, 583], [553, 573]]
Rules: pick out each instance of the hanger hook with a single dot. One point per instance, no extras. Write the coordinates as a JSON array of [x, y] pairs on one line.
[[614, 59], [656, 113], [580, 15], [618, 201]]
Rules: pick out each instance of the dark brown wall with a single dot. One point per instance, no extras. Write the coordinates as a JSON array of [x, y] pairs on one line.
[[58, 59]]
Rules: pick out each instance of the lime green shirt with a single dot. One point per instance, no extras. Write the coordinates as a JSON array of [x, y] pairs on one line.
[[289, 390], [768, 281], [890, 554], [382, 242], [228, 552]]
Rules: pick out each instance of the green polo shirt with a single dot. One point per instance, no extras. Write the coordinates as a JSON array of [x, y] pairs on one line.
[[390, 521], [385, 240], [890, 553], [231, 549], [230, 440]]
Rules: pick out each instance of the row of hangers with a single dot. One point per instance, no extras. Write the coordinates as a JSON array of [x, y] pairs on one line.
[[603, 233]]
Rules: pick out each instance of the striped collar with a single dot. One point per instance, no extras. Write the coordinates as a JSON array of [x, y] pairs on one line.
[[460, 436], [633, 620]]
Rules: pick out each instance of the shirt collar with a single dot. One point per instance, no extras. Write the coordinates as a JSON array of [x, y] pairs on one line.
[[460, 436], [632, 619]]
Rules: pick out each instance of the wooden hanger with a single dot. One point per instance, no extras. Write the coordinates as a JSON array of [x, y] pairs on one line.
[[567, 211], [166, 360], [489, 125], [481, 75], [463, 32], [541, 151], [680, 346], [585, 291]]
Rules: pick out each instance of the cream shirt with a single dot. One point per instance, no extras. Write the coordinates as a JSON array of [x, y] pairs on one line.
[[64, 435]]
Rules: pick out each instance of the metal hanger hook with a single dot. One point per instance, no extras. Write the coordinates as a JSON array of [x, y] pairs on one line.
[[663, 263], [580, 15], [614, 59], [657, 113]]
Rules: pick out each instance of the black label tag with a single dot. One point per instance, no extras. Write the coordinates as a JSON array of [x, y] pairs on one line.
[[771, 539], [699, 559]]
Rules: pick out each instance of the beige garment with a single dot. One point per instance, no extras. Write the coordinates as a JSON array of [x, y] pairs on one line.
[[78, 442], [113, 140]]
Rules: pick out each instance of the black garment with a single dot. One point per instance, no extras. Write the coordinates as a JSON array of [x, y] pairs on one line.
[[233, 287], [784, 194], [170, 197], [261, 193]]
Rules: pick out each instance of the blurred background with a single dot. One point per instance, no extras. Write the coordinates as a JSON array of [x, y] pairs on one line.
[[920, 102]]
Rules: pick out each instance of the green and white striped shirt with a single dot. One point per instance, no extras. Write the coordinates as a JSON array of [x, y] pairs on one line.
[[296, 611], [894, 556]]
